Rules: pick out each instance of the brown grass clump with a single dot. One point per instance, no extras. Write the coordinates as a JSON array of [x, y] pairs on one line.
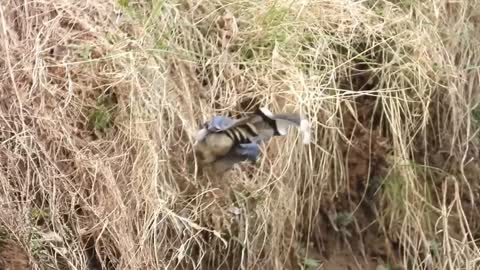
[[99, 101]]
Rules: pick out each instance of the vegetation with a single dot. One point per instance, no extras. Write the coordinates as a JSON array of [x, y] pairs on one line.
[[99, 101]]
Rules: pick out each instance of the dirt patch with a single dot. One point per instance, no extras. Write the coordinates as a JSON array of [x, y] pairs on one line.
[[346, 261], [13, 256]]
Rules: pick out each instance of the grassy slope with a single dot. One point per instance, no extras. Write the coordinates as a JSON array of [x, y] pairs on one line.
[[98, 103]]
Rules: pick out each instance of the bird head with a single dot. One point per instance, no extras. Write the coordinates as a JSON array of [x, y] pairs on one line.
[[211, 147]]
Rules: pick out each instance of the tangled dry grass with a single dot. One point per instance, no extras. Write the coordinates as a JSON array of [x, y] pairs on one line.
[[99, 99]]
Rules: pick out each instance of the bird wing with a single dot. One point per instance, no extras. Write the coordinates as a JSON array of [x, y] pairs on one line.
[[280, 123], [266, 125], [216, 124], [239, 153]]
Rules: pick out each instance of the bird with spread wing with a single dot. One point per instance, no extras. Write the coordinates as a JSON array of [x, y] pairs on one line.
[[224, 141]]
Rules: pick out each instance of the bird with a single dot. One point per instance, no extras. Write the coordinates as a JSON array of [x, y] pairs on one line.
[[224, 141]]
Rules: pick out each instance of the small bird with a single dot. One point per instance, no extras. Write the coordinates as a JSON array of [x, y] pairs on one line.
[[224, 141]]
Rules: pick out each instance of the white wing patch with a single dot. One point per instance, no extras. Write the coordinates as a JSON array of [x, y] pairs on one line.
[[267, 112], [305, 130], [283, 125]]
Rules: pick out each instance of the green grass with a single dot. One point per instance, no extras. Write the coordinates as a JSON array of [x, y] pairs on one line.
[[123, 3], [101, 116], [476, 114]]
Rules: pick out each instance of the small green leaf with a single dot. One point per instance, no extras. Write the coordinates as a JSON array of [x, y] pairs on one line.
[[161, 45], [434, 247], [308, 262], [102, 115], [37, 213], [100, 118], [85, 51], [343, 219], [123, 3], [476, 114]]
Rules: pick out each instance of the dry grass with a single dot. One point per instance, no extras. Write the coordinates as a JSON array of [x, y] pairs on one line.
[[99, 99]]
